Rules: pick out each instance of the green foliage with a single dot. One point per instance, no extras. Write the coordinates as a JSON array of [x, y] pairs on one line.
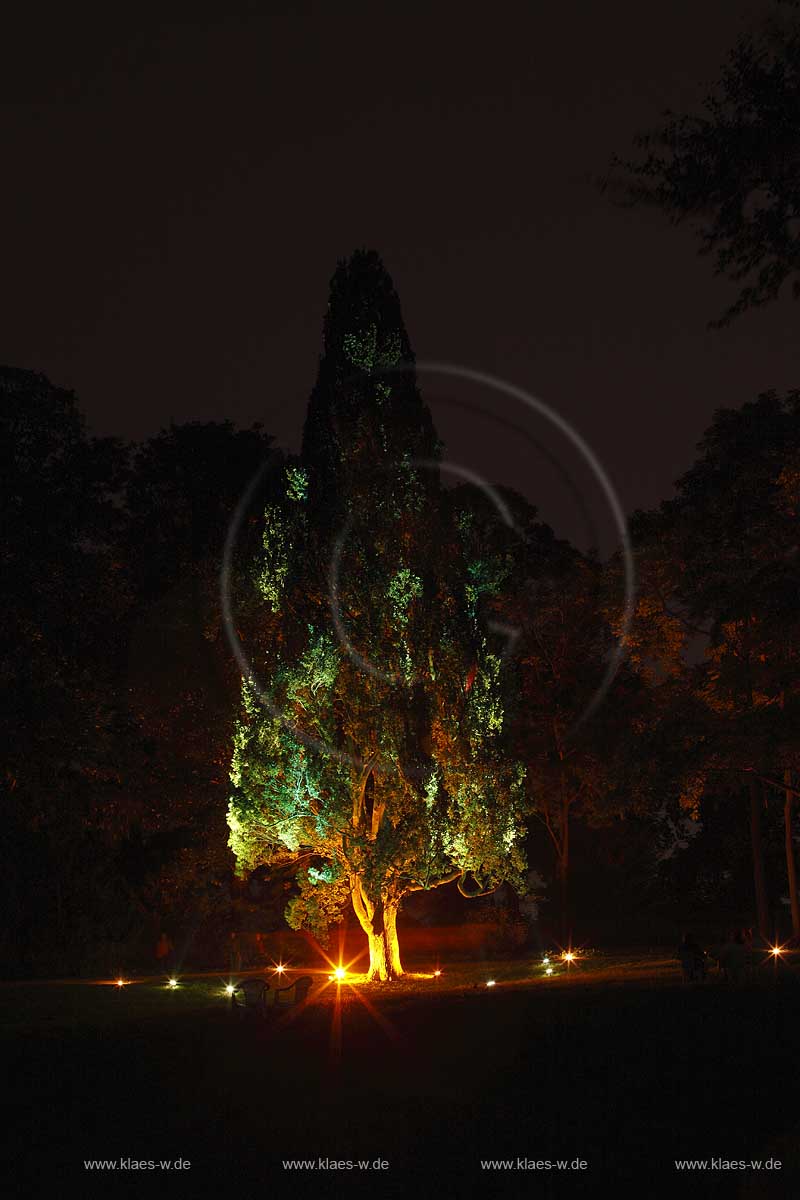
[[374, 765], [317, 669], [404, 587], [323, 895], [271, 577], [296, 483], [359, 349], [485, 706]]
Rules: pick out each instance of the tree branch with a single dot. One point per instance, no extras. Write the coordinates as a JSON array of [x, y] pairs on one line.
[[778, 784]]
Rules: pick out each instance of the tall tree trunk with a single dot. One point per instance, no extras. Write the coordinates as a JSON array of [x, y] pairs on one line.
[[391, 941], [791, 864], [563, 884], [563, 875], [378, 919], [759, 879]]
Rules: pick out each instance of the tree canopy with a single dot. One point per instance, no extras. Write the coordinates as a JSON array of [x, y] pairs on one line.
[[732, 171], [725, 552], [371, 749]]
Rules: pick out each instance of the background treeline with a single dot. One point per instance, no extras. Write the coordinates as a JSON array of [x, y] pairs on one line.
[[674, 803], [118, 686]]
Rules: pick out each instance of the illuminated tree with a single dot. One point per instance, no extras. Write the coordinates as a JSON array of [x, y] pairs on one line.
[[371, 748]]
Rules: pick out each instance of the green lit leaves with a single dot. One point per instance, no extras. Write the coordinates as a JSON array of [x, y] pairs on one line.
[[297, 483], [327, 874], [316, 670], [404, 587], [360, 348], [485, 577], [388, 351], [368, 352], [485, 822], [323, 896], [386, 768], [485, 705], [271, 577]]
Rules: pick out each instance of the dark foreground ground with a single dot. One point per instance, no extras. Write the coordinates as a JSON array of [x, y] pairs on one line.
[[625, 1072]]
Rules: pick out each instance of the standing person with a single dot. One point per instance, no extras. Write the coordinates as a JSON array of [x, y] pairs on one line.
[[164, 950], [733, 957], [692, 958], [235, 953]]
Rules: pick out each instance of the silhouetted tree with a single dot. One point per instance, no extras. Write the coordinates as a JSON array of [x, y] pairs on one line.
[[575, 752], [180, 681], [729, 538], [60, 646], [732, 172]]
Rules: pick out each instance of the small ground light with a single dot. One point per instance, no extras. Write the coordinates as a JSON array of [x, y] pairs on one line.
[[229, 989], [173, 983], [437, 974], [120, 983], [549, 971], [490, 982], [546, 961]]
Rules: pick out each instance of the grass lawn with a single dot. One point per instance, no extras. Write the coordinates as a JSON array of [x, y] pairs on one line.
[[613, 1061]]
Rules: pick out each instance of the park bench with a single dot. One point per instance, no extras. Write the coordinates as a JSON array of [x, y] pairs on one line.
[[256, 996], [251, 995], [293, 993]]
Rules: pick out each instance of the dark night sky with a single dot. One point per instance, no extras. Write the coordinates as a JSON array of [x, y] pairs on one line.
[[177, 190]]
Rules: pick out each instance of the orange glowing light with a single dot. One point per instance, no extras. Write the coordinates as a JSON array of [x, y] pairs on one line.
[[279, 968], [568, 956], [437, 974], [776, 951], [343, 972], [120, 983]]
